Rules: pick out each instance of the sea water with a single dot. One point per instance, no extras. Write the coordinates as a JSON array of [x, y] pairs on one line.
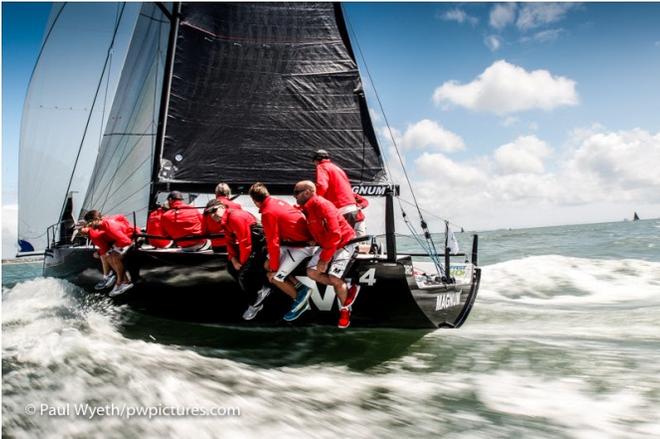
[[563, 342]]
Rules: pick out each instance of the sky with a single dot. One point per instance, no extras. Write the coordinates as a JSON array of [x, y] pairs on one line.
[[506, 115]]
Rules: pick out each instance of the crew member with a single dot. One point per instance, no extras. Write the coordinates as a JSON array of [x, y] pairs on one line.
[[288, 242], [332, 184], [246, 251], [223, 194], [116, 235], [98, 238], [181, 221], [155, 228], [334, 236]]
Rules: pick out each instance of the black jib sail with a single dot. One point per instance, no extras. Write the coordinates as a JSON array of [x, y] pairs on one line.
[[256, 88]]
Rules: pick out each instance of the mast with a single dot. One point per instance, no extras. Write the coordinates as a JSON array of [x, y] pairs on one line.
[[174, 17]]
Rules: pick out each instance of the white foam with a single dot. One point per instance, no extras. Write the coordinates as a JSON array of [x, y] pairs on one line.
[[553, 279]]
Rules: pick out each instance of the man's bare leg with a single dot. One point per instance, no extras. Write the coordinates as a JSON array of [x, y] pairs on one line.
[[287, 287], [337, 283]]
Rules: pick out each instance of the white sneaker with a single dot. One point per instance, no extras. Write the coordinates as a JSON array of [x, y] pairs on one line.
[[120, 289], [106, 282], [252, 312]]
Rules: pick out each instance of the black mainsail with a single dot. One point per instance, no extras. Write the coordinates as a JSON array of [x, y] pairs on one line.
[[256, 88]]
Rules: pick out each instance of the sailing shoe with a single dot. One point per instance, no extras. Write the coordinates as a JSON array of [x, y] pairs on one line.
[[106, 282], [353, 292], [120, 289], [252, 312], [295, 313], [301, 298], [344, 317], [261, 295]]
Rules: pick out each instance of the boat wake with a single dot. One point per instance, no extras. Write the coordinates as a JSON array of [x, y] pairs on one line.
[[562, 280]]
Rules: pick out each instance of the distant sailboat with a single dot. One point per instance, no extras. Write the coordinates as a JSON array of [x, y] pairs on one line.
[[635, 217]]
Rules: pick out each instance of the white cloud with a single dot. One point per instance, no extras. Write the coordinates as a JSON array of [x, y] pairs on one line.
[[523, 155], [502, 15], [544, 36], [434, 165], [375, 116], [429, 134], [509, 121], [492, 42], [9, 230], [505, 88], [533, 15], [533, 126], [460, 16], [600, 175], [623, 162]]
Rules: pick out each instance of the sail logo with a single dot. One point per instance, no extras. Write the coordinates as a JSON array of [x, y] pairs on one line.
[[447, 300]]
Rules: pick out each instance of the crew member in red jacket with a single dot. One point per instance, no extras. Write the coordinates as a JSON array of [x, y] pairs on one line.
[[211, 227], [114, 236], [99, 239], [246, 252], [333, 234], [288, 242], [155, 228], [332, 184], [223, 194], [183, 220]]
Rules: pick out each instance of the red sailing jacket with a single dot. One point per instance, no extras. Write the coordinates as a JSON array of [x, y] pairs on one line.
[[282, 223], [154, 227], [227, 202], [99, 239], [328, 227], [210, 227], [333, 185], [362, 203], [117, 230], [182, 220], [236, 223]]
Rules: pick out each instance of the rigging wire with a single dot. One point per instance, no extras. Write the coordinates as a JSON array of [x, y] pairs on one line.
[[91, 111], [427, 234]]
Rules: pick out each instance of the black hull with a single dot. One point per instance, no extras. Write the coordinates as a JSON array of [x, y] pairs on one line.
[[197, 287]]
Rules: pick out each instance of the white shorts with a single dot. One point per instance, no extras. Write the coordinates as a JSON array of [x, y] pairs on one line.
[[290, 258], [340, 260], [120, 250]]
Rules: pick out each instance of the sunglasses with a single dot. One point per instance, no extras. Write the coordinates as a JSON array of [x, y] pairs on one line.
[[298, 191]]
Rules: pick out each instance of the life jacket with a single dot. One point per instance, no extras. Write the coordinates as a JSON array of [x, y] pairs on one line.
[[237, 224], [154, 227], [332, 184], [328, 227], [182, 220], [283, 224]]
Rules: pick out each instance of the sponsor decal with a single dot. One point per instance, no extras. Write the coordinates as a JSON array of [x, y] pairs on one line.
[[457, 270], [408, 269], [323, 302], [447, 300], [374, 190]]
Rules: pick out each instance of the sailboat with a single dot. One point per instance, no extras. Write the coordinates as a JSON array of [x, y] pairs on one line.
[[239, 93], [635, 217]]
